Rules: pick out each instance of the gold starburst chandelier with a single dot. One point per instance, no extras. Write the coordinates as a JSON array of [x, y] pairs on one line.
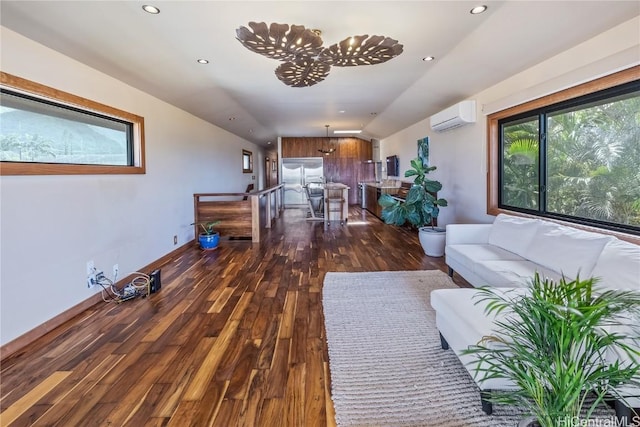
[[306, 61]]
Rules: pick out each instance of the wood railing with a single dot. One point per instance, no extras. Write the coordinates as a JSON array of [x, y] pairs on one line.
[[245, 217]]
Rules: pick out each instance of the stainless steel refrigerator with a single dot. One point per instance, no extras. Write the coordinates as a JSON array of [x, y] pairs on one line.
[[296, 173]]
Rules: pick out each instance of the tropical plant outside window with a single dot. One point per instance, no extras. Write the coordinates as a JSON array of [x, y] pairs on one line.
[[47, 131], [578, 160]]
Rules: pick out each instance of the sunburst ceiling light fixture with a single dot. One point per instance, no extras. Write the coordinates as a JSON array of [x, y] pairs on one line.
[[324, 151], [306, 61]]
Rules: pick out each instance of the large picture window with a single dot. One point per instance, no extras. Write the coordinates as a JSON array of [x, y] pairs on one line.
[[576, 159], [45, 131]]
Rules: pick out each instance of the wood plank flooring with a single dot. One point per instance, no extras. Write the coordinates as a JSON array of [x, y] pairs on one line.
[[235, 337]]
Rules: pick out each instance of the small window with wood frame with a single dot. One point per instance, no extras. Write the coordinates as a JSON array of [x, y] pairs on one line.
[[247, 161], [49, 132]]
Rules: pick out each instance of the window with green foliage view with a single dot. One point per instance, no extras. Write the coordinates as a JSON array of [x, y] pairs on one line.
[[577, 160]]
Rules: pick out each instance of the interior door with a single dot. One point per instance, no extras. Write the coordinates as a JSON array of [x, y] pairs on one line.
[[267, 173]]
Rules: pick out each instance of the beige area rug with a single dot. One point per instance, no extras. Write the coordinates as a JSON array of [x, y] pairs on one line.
[[387, 366]]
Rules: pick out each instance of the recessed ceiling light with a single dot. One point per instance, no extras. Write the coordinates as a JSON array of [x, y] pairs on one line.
[[478, 9], [428, 58], [341, 111], [151, 9], [346, 131], [203, 61]]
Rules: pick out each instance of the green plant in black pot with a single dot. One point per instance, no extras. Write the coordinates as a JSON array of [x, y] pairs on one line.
[[420, 208], [565, 346]]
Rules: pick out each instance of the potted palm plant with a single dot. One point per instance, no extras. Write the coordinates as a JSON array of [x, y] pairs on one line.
[[209, 238], [565, 346], [420, 208]]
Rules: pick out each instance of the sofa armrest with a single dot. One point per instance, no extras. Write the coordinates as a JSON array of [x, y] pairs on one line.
[[463, 234]]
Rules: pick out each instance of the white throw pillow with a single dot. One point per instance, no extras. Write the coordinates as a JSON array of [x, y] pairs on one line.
[[618, 266], [566, 250], [513, 233]]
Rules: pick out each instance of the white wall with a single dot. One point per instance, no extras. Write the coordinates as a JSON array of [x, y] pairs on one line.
[[52, 225], [460, 154]]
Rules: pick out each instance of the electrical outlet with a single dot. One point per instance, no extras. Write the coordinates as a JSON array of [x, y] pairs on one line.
[[91, 276], [175, 240]]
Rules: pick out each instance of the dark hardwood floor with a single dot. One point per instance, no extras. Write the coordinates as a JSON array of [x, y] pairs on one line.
[[234, 337]]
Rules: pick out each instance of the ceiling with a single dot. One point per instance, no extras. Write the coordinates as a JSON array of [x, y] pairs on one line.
[[238, 90]]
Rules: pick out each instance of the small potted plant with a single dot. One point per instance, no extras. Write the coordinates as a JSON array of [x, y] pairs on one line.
[[209, 238], [420, 208], [566, 347]]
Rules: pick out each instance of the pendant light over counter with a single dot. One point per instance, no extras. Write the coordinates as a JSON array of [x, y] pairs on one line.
[[329, 150]]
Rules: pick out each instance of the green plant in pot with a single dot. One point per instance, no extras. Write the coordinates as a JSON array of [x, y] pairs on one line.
[[209, 238], [565, 347], [420, 208]]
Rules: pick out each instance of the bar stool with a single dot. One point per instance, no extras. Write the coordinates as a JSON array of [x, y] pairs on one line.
[[334, 209], [315, 194]]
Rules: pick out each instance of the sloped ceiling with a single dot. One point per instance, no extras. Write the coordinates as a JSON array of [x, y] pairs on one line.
[[239, 92]]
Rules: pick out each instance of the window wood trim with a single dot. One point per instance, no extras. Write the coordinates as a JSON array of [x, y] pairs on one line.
[[247, 159], [493, 143], [29, 87]]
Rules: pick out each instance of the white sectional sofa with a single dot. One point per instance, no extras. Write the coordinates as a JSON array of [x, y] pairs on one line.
[[507, 254]]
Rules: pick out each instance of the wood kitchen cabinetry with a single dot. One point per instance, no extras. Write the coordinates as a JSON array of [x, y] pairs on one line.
[[373, 193], [372, 196], [350, 163]]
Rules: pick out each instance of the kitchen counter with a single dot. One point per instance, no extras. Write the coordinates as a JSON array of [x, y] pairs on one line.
[[336, 185], [336, 198], [386, 187], [373, 191], [380, 185]]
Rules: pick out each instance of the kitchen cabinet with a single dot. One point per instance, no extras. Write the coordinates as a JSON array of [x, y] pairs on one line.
[[373, 193]]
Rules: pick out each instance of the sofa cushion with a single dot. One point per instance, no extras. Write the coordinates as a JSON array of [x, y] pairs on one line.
[[512, 273], [470, 254], [618, 266], [513, 233], [566, 250]]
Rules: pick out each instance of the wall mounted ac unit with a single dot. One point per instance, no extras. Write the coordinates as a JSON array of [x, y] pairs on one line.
[[455, 116]]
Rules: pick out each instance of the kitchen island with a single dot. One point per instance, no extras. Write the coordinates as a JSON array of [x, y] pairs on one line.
[[336, 200]]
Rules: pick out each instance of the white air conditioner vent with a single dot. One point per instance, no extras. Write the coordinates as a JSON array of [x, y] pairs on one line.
[[455, 116]]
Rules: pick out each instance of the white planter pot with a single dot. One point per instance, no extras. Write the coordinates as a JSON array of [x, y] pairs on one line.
[[432, 240]]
